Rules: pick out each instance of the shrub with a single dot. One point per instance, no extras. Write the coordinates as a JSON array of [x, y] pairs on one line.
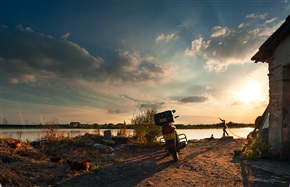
[[255, 148], [145, 129]]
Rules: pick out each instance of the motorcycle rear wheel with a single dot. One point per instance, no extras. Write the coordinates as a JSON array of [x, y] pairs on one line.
[[174, 154]]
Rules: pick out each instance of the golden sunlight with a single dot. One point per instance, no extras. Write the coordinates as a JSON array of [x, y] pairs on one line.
[[250, 93]]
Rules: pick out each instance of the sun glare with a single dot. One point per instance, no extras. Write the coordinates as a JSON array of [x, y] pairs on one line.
[[250, 93]]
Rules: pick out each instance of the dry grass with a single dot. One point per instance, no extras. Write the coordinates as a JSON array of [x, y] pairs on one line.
[[10, 178], [30, 164], [52, 134]]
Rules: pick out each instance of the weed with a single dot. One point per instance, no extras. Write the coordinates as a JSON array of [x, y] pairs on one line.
[[123, 130], [19, 134], [119, 159], [51, 133], [96, 167]]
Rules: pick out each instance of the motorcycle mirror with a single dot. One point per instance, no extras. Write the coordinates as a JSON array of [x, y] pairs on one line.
[[173, 111]]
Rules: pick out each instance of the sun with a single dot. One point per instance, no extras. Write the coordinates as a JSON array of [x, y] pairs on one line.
[[250, 93]]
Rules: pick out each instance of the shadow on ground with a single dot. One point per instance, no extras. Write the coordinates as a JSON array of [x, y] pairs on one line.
[[126, 173]]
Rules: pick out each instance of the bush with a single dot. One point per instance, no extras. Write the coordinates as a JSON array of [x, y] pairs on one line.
[[255, 148], [145, 129]]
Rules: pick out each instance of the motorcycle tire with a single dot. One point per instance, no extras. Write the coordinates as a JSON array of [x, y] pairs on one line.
[[174, 154]]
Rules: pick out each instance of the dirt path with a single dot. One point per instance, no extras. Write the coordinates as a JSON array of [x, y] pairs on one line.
[[203, 163]]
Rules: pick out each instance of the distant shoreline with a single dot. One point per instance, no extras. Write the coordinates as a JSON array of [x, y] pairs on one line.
[[122, 126]]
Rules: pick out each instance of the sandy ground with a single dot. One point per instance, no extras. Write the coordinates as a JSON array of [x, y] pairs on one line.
[[202, 163]]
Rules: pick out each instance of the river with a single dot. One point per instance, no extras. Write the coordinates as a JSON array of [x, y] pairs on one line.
[[35, 134]]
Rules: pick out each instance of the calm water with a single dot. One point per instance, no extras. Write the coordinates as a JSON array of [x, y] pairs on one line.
[[34, 134], [217, 133]]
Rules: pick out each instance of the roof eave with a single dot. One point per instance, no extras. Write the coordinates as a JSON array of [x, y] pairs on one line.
[[266, 50]]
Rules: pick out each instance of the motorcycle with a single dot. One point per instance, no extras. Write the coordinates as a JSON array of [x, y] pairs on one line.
[[173, 141]]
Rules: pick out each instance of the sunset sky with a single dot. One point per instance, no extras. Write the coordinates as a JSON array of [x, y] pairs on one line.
[[99, 61]]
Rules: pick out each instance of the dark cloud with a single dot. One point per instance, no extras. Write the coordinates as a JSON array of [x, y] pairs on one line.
[[29, 56], [152, 105], [131, 67], [32, 57], [116, 111], [193, 99]]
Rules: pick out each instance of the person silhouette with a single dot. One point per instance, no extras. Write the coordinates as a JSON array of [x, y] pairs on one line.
[[225, 133]]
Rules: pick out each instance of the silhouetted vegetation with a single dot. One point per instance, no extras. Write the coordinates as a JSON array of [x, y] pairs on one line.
[[128, 126]]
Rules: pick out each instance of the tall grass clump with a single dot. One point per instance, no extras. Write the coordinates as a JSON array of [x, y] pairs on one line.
[[145, 129], [51, 133], [122, 130]]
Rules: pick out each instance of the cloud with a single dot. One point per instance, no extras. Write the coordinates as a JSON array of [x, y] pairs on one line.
[[31, 57], [65, 36], [28, 57], [255, 16], [270, 20], [193, 99], [287, 4], [219, 31], [233, 46], [132, 67], [116, 111], [26, 78], [165, 38], [130, 99], [152, 105]]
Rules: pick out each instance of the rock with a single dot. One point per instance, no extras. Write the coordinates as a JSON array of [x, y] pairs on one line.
[[101, 146], [108, 134], [87, 136], [106, 149], [194, 141], [108, 142], [227, 138], [149, 183]]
